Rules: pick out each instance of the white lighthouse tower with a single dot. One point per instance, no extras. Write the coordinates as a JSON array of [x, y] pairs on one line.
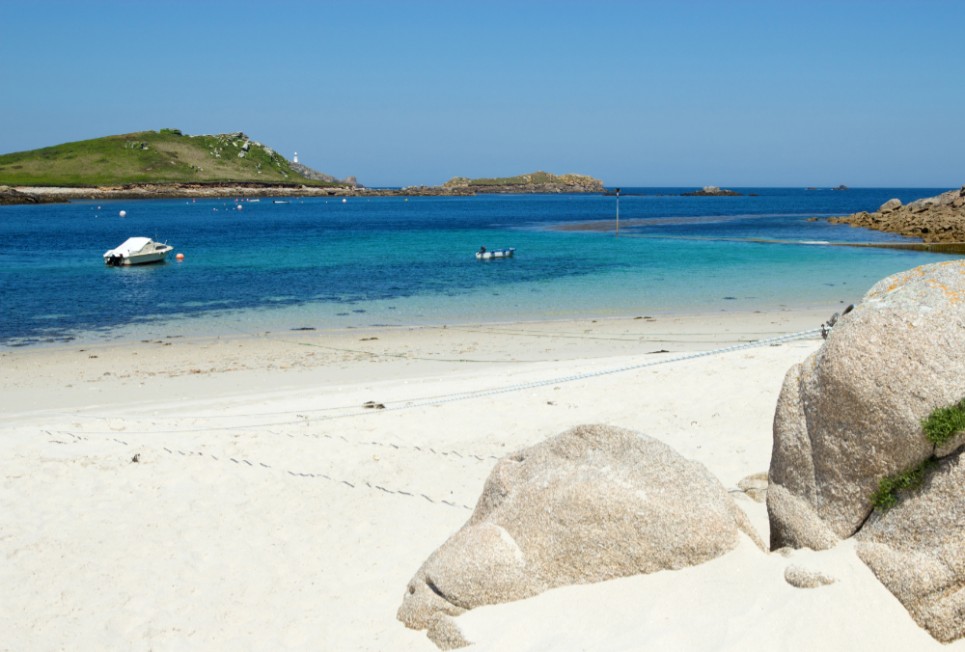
[[295, 158]]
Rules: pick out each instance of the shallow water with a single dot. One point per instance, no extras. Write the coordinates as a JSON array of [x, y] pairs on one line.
[[322, 263]]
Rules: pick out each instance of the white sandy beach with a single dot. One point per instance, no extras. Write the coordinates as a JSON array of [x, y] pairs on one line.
[[270, 510]]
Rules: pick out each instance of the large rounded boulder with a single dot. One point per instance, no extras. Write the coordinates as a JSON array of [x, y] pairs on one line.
[[591, 504], [851, 414]]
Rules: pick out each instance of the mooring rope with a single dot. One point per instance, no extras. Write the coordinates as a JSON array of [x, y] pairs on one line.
[[407, 404], [460, 396], [354, 484]]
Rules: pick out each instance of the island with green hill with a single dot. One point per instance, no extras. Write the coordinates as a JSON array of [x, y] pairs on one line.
[[169, 163], [153, 157]]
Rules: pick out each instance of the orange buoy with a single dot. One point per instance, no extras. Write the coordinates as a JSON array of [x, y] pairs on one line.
[[180, 257]]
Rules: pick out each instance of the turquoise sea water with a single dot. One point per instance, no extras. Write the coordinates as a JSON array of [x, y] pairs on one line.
[[322, 263]]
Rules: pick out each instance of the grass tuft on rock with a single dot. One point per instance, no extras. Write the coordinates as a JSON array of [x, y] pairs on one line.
[[942, 424], [938, 427], [891, 486]]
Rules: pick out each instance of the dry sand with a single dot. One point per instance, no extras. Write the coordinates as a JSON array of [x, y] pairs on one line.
[[269, 509]]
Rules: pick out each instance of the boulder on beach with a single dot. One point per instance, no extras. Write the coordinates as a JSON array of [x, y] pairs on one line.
[[850, 442], [591, 504], [851, 413]]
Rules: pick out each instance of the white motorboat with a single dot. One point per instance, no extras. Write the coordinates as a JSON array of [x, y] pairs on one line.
[[137, 251], [489, 254]]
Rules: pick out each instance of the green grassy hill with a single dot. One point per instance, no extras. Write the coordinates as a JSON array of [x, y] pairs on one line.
[[165, 156]]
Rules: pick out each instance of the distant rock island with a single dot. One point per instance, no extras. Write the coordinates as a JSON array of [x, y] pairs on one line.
[[712, 191], [532, 183], [525, 183], [939, 219]]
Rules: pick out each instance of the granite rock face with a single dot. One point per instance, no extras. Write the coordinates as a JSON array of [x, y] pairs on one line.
[[938, 219], [851, 413], [591, 504], [917, 550]]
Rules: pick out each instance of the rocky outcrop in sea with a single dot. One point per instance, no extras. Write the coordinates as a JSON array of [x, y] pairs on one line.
[[11, 196], [712, 191], [938, 219], [536, 182]]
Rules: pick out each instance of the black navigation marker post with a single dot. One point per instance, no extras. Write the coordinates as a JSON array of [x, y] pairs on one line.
[[618, 213]]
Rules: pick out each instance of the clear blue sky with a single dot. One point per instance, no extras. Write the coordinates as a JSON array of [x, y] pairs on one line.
[[398, 93]]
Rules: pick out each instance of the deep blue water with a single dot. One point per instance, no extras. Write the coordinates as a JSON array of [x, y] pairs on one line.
[[323, 263]]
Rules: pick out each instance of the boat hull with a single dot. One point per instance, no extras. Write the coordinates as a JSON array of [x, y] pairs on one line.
[[495, 253], [137, 251], [142, 259]]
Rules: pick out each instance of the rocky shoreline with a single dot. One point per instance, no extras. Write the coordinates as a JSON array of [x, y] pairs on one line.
[[43, 194], [938, 219], [10, 196], [39, 194]]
